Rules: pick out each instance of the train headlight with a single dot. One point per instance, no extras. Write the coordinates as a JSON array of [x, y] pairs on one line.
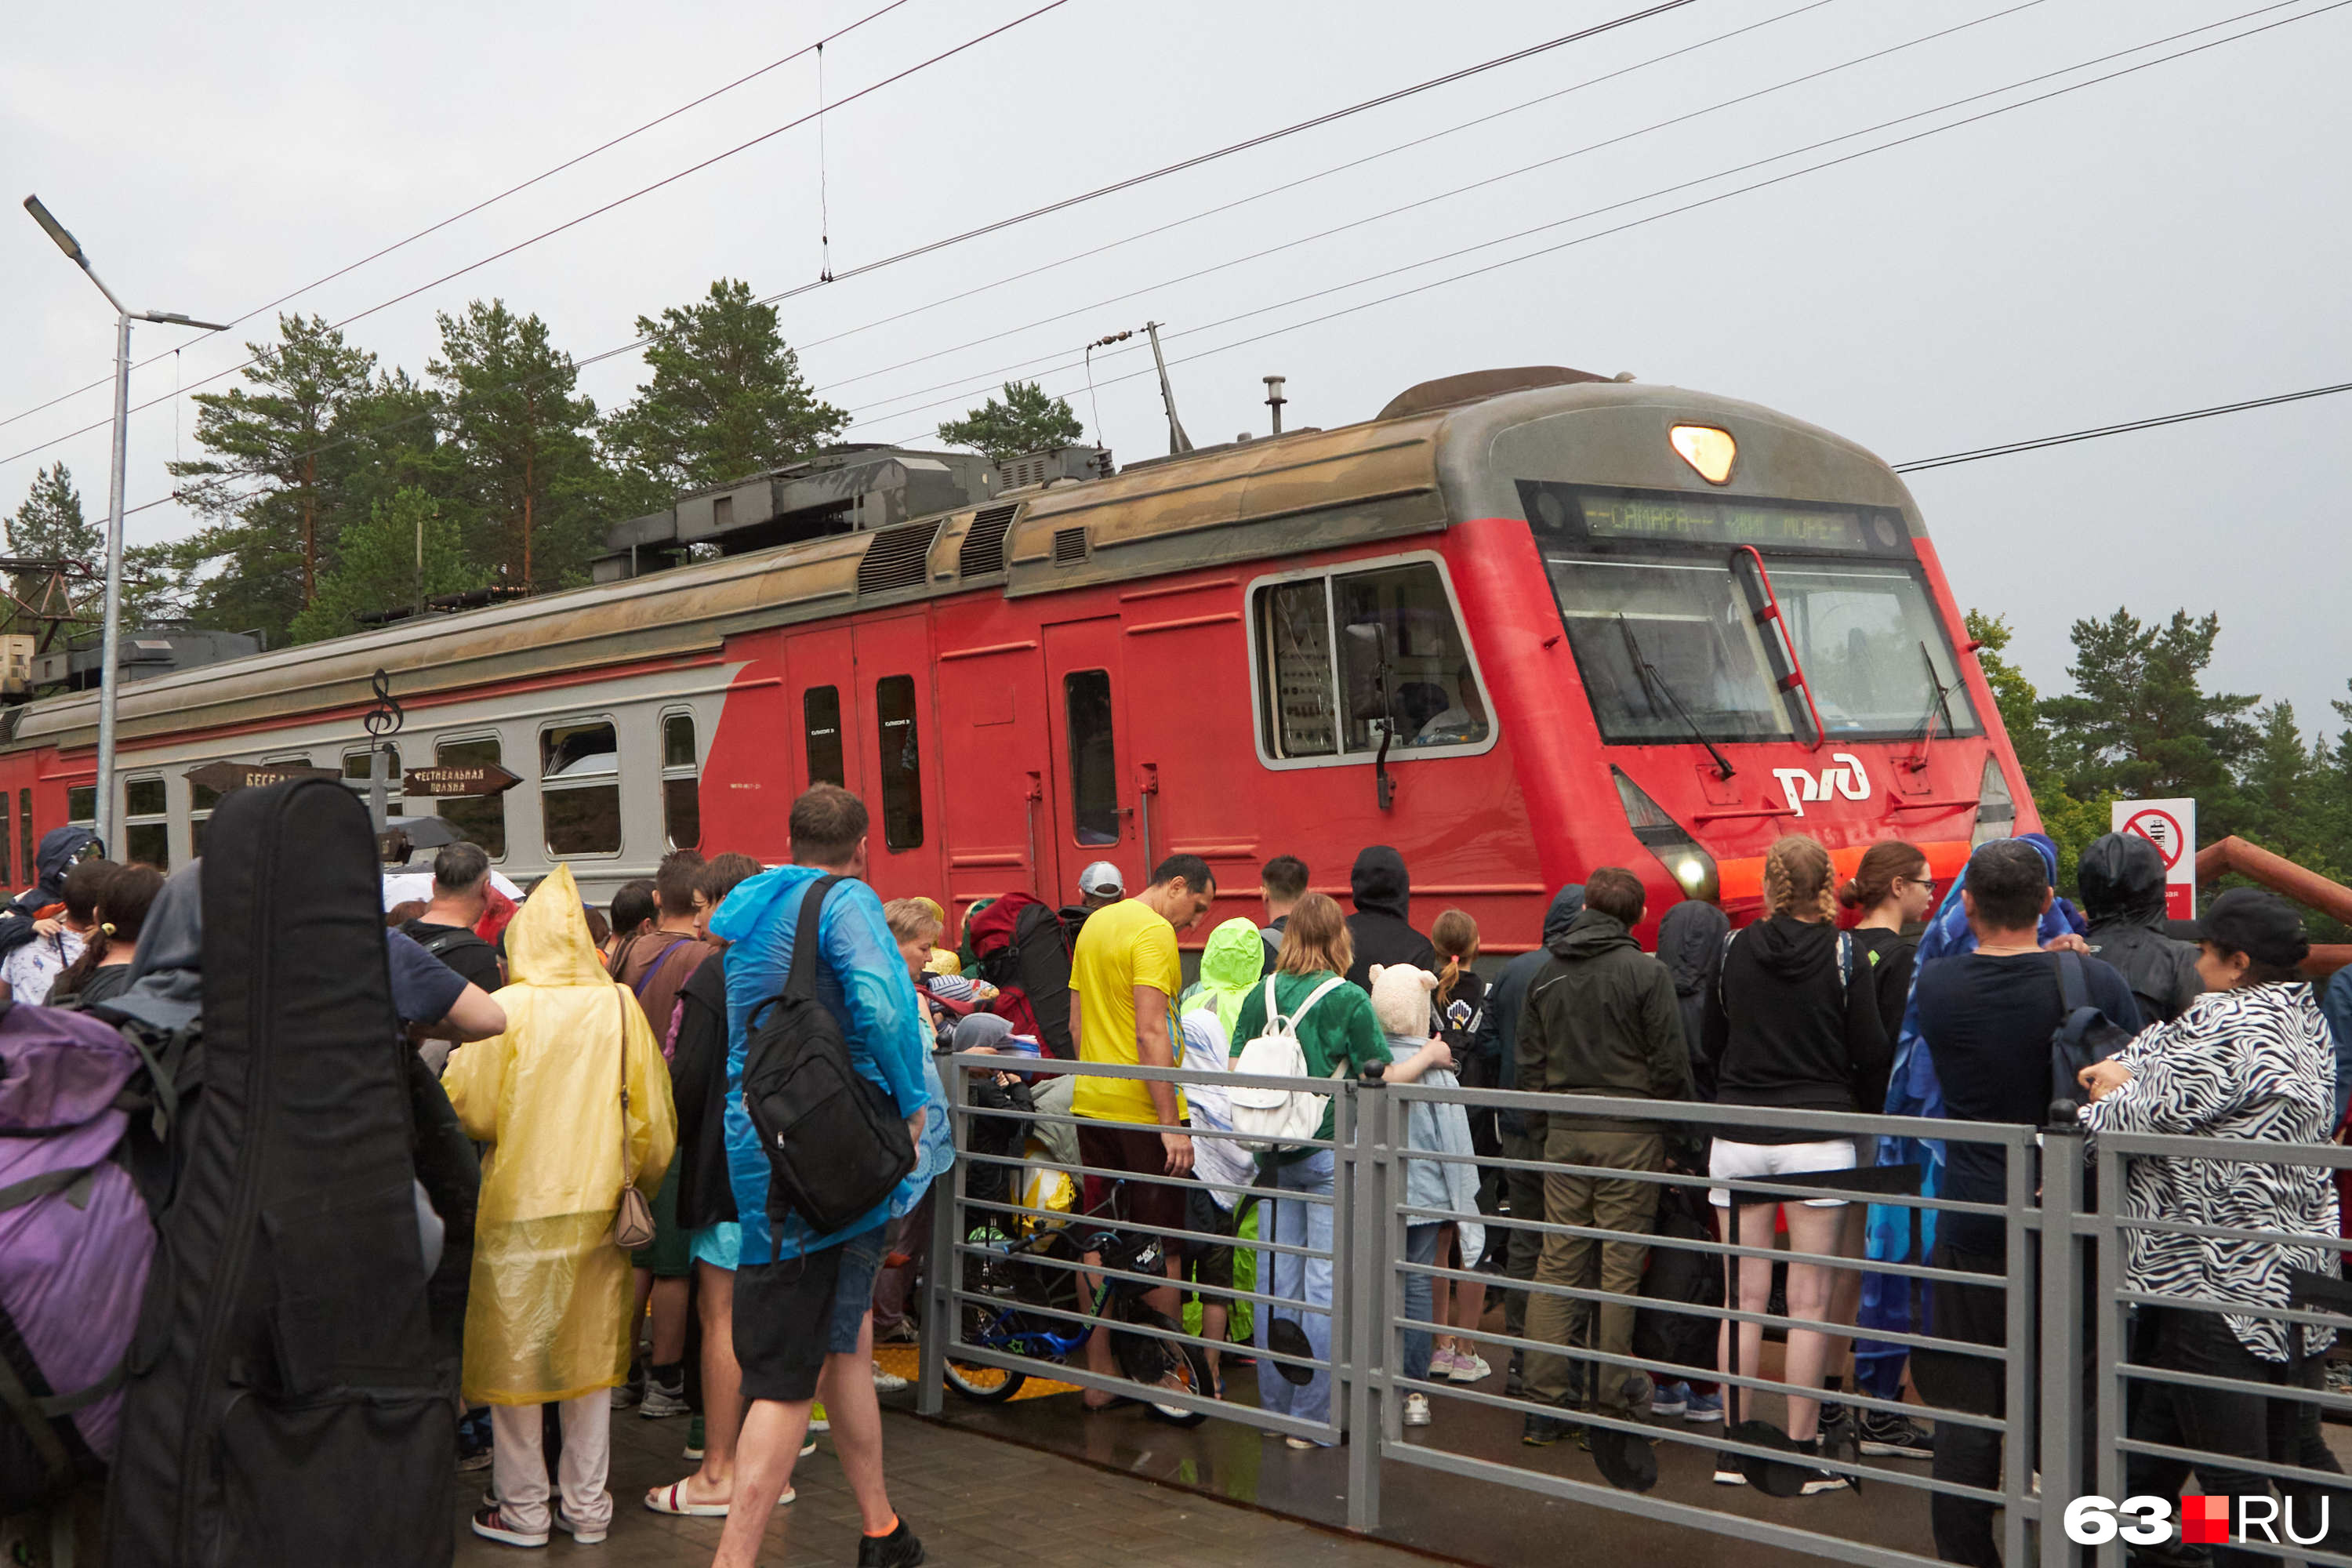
[[1691, 868], [1708, 450], [1996, 808]]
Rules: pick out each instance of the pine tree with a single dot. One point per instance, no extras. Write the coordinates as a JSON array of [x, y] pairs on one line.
[[49, 525], [517, 468], [2071, 820], [404, 553], [1025, 421], [726, 399], [270, 482], [2280, 791], [2139, 723]]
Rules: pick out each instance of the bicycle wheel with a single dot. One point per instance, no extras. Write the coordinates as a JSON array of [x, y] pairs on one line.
[[1148, 1359], [985, 1385]]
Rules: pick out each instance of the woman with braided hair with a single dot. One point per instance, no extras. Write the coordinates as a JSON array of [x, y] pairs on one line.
[[1791, 1025], [103, 970]]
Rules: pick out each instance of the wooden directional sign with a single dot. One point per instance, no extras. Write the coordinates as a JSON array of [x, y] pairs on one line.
[[226, 776], [434, 783]]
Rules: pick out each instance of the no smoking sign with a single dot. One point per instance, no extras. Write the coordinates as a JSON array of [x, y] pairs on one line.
[[2171, 827]]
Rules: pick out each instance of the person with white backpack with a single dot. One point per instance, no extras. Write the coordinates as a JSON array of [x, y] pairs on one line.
[[1305, 1022]]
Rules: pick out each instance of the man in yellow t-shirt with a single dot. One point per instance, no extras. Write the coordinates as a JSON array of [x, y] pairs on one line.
[[1127, 975]]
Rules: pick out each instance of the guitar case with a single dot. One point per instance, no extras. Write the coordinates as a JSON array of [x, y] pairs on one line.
[[284, 1404]]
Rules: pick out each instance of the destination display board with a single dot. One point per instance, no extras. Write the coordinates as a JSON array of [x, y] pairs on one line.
[[1581, 515]]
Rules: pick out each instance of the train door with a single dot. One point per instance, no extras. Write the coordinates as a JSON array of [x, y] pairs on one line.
[[893, 700], [1096, 802], [822, 708], [999, 787]]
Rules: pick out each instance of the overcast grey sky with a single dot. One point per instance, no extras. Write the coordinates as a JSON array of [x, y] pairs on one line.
[[2169, 239]]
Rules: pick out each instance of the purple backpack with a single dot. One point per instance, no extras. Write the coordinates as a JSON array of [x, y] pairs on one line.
[[75, 1241]]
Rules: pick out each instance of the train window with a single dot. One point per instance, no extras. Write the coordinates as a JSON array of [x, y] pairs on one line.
[[579, 788], [24, 829], [146, 831], [821, 723], [681, 787], [1350, 658], [7, 875], [902, 771], [81, 805], [1094, 767], [357, 766], [480, 818], [1296, 635], [1668, 646]]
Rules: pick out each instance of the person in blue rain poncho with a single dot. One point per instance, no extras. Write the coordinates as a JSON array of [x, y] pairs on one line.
[[1913, 1090], [803, 1299]]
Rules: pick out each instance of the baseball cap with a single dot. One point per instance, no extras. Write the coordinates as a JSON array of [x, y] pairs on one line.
[[2260, 924], [1101, 877]]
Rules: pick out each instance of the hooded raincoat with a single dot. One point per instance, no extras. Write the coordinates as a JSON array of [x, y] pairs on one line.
[[1381, 927], [1690, 944], [2121, 875], [1234, 959], [1496, 1041], [60, 849], [548, 1314], [861, 979]]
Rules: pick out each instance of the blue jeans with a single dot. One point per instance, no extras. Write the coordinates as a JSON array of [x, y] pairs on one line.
[[1305, 1280], [1420, 1247]]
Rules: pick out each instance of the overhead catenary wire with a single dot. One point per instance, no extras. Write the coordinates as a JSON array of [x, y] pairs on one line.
[[486, 201], [1481, 183], [994, 226], [1601, 234], [2038, 443], [979, 380], [616, 202]]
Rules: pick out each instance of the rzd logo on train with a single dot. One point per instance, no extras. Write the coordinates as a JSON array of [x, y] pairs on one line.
[[1844, 776]]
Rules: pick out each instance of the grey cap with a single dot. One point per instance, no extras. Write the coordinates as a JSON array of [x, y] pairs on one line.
[[1101, 879]]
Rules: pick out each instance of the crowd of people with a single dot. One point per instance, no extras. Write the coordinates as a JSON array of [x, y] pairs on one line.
[[629, 1251]]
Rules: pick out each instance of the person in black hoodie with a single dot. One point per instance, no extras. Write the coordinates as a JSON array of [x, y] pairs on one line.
[[2121, 877], [1793, 1025], [1494, 1044], [1600, 1019], [1690, 943], [1381, 927]]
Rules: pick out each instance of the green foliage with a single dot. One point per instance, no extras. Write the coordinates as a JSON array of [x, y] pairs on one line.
[[726, 399], [1025, 421], [276, 482], [2139, 723], [379, 565], [516, 468], [2071, 820], [49, 525]]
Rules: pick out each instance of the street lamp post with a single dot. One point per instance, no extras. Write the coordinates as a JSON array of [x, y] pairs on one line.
[[110, 669]]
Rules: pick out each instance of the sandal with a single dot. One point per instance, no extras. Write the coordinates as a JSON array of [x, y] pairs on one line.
[[671, 1500]]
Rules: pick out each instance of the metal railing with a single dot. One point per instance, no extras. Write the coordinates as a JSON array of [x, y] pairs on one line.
[[2064, 1311]]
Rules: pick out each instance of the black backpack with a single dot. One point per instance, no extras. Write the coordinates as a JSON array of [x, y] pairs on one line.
[[2084, 1035], [835, 1143]]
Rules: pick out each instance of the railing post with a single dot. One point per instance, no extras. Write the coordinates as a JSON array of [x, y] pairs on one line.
[[945, 1263], [2062, 1415], [1362, 1257]]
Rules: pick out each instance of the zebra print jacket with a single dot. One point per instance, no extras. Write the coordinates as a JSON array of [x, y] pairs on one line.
[[2256, 1064]]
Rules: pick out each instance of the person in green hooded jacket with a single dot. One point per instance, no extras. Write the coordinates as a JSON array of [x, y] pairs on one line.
[[1233, 961]]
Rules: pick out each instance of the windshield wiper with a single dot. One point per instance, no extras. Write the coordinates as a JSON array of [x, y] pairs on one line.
[[1939, 704], [1656, 682]]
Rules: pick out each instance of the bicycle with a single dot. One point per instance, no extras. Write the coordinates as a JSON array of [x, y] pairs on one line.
[[1028, 1287]]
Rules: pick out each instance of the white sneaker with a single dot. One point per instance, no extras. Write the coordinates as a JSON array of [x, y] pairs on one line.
[[1469, 1366], [887, 1381], [1440, 1364], [585, 1534], [1416, 1410]]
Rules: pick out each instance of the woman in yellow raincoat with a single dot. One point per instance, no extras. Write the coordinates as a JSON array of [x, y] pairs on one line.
[[548, 1318]]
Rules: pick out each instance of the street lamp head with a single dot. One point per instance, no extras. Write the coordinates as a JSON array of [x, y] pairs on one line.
[[57, 231]]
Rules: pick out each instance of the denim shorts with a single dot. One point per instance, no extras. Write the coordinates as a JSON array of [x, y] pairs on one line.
[[792, 1313]]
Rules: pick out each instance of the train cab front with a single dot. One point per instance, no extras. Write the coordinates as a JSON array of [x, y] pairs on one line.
[[1732, 627]]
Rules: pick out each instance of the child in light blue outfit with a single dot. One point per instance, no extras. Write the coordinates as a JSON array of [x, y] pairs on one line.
[[1401, 994]]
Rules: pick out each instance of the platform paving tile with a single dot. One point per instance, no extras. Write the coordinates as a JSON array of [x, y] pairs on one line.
[[975, 1500]]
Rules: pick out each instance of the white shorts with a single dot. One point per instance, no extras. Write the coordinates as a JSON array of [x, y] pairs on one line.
[[1766, 1161]]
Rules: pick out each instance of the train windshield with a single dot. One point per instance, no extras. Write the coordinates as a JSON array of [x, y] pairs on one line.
[[1670, 648]]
